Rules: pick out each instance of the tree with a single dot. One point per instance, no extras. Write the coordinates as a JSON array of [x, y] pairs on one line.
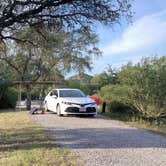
[[81, 81], [15, 15], [60, 51], [8, 95], [141, 87], [67, 17], [100, 80], [140, 90], [55, 53], [5, 78], [112, 75], [105, 78]]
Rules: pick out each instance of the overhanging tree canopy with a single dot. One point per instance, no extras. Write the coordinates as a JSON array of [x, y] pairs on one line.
[[58, 14]]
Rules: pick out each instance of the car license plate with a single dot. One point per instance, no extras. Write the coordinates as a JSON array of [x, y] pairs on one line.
[[82, 109]]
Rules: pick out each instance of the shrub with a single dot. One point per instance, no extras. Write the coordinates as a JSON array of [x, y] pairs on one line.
[[9, 98], [117, 98]]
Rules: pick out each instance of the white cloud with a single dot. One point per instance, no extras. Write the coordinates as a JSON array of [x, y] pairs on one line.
[[144, 34]]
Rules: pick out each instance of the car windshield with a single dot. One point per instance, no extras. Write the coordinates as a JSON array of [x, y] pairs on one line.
[[71, 93]]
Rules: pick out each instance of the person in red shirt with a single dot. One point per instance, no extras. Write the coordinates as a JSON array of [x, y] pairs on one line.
[[96, 99]]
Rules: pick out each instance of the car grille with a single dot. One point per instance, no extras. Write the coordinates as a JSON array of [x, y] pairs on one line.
[[72, 109], [90, 109], [82, 105], [76, 110]]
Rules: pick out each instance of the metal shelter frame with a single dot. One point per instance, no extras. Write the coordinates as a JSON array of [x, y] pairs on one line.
[[28, 84]]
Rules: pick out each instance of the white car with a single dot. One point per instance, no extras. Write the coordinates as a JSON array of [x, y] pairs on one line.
[[70, 101]]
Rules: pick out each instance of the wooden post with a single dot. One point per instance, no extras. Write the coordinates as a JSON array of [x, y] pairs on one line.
[[103, 107], [19, 96], [28, 100]]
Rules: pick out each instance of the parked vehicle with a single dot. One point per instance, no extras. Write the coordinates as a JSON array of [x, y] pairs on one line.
[[70, 101]]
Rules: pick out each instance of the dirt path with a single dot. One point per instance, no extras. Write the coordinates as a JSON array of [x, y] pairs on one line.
[[103, 142]]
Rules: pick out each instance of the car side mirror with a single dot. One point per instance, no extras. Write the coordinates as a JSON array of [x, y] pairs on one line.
[[54, 96]]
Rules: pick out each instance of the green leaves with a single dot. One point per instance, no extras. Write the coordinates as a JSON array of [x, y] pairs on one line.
[[58, 15], [105, 78], [141, 86]]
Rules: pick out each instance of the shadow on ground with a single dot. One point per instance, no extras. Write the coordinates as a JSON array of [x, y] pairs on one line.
[[31, 138], [108, 138]]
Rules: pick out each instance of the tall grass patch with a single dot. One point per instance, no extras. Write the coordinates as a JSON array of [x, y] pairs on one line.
[[25, 143]]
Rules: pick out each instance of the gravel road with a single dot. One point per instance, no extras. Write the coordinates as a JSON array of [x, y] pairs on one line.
[[104, 142]]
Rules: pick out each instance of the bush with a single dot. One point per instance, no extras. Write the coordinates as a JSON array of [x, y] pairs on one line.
[[35, 93], [115, 93], [118, 99], [120, 108], [9, 98]]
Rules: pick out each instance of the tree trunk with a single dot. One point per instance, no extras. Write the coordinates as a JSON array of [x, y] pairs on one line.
[[1, 94], [28, 94], [42, 89]]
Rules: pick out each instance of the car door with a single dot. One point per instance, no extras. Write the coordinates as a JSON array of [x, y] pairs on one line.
[[52, 100], [48, 101]]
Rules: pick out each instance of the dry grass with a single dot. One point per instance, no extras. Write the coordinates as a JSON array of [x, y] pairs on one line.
[[24, 143]]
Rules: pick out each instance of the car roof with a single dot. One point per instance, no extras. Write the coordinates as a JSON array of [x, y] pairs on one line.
[[65, 89]]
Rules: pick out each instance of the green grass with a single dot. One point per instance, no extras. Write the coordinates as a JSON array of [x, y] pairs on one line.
[[24, 143], [139, 123]]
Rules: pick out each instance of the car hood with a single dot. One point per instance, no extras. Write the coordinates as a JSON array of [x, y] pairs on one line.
[[81, 100]]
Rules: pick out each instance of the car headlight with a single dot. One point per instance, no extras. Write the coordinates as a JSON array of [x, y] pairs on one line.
[[67, 103]]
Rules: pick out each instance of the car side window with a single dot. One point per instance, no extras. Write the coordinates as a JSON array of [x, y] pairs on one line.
[[51, 93], [54, 92]]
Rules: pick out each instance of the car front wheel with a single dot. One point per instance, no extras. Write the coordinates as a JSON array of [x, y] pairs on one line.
[[58, 109]]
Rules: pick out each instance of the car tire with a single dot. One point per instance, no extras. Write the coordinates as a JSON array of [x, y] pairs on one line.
[[91, 115], [58, 109]]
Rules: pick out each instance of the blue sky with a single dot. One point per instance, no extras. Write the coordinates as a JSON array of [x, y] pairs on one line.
[[146, 36]]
